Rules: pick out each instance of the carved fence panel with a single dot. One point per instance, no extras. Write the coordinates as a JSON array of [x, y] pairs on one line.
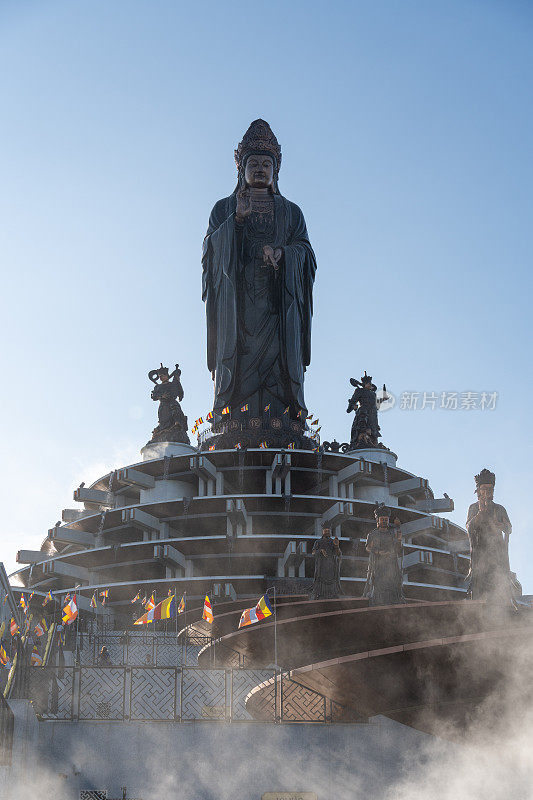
[[242, 683], [301, 704], [51, 691], [203, 694], [154, 694], [101, 694]]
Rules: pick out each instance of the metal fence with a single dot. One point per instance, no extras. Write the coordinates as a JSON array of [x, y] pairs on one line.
[[178, 694], [138, 650]]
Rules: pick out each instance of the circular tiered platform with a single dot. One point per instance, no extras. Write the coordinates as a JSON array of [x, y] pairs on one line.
[[232, 523]]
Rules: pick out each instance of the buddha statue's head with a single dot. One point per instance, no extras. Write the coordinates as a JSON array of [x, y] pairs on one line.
[[258, 157], [485, 485]]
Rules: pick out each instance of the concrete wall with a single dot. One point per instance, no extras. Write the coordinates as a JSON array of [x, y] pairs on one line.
[[210, 760]]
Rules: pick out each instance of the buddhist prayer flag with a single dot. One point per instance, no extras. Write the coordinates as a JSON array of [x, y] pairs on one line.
[[263, 446], [238, 446], [13, 627], [291, 446], [104, 595], [137, 597], [70, 612], [144, 601], [208, 611], [211, 447], [67, 598], [150, 604], [209, 416], [181, 607], [166, 609], [309, 416], [36, 660], [244, 407], [286, 410], [4, 660], [315, 422], [5, 598], [267, 408], [252, 615], [93, 600], [41, 628], [226, 410], [48, 598], [22, 603]]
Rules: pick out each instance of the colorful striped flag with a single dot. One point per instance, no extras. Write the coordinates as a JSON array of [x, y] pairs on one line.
[[150, 604], [208, 610], [309, 416], [181, 607], [41, 628], [166, 609], [13, 627], [211, 448], [4, 660], [245, 407], [238, 446], [263, 446], [226, 410], [286, 410], [104, 595], [22, 603], [252, 615], [291, 446], [209, 416], [36, 660], [315, 422], [93, 600], [267, 408], [137, 597], [48, 598], [5, 598], [70, 612], [67, 598]]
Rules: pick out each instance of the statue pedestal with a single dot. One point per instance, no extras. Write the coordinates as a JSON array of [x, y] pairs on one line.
[[376, 454], [154, 450]]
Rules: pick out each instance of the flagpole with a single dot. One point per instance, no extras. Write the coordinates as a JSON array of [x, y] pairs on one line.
[[176, 613]]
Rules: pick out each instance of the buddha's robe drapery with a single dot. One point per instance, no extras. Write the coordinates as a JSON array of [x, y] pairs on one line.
[[490, 575], [258, 320]]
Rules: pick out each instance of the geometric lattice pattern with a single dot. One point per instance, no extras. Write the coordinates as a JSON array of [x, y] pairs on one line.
[[174, 693], [301, 704], [51, 692], [203, 694], [101, 693], [153, 694], [242, 683]]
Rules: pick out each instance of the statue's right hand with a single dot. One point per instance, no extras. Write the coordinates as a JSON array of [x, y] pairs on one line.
[[244, 205]]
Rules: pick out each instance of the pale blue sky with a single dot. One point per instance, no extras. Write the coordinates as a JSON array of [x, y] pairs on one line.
[[406, 130]]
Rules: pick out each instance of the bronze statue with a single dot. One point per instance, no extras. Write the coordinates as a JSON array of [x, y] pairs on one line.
[[328, 558], [384, 577], [365, 427], [490, 577], [172, 421], [258, 273]]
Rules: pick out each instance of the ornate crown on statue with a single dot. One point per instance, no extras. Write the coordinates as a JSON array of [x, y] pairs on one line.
[[259, 138]]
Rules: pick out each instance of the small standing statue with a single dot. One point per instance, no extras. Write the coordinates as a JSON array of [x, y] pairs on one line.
[[328, 557], [490, 576], [365, 427], [172, 421], [384, 578]]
